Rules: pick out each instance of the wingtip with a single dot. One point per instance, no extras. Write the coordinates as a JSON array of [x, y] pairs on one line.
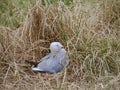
[[31, 62]]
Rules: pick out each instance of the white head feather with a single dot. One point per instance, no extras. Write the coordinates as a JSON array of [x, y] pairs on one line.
[[55, 46]]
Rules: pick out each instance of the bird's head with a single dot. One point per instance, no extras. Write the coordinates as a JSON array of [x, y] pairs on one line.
[[56, 46]]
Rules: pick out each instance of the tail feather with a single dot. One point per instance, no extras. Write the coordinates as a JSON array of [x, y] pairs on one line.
[[31, 63]]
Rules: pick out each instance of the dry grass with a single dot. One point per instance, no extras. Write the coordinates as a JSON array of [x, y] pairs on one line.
[[90, 34]]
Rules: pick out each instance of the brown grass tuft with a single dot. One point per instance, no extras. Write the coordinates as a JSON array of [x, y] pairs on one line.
[[88, 34], [45, 24]]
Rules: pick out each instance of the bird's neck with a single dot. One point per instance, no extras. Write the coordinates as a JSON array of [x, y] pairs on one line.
[[58, 53], [54, 53]]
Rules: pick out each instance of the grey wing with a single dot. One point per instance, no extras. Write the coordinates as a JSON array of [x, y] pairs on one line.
[[45, 57], [41, 60], [50, 66], [42, 65]]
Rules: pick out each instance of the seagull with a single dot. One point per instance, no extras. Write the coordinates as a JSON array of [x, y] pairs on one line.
[[54, 62]]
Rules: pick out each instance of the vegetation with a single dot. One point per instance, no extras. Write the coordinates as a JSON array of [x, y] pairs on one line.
[[89, 30]]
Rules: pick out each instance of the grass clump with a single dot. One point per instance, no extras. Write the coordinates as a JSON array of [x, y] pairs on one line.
[[89, 32]]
